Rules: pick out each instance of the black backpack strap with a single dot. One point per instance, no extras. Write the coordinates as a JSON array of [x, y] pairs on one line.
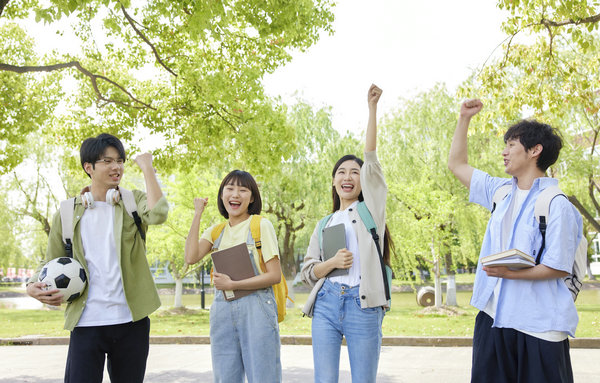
[[383, 272], [543, 231], [67, 210]]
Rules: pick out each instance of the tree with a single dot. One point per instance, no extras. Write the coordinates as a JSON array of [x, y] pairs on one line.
[[187, 72], [11, 254], [26, 102], [428, 211], [167, 242], [297, 192]]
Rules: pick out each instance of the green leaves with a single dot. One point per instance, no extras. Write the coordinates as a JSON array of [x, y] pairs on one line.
[[190, 71]]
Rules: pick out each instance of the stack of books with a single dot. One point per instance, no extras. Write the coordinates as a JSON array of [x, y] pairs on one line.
[[513, 258]]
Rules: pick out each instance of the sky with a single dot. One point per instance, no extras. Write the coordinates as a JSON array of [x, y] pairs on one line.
[[402, 46]]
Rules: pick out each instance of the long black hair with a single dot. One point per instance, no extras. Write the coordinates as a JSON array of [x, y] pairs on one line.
[[388, 243]]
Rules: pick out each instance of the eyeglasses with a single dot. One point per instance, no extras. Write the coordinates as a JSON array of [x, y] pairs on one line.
[[108, 161]]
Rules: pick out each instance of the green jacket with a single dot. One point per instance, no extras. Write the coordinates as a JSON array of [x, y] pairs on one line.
[[138, 284]]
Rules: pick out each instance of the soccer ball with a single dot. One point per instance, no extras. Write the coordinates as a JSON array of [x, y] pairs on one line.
[[65, 274]]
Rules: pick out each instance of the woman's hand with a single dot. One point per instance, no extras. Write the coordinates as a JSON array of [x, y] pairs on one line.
[[199, 205], [373, 95], [223, 281], [342, 259]]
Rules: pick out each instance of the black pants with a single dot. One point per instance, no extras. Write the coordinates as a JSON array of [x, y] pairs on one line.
[[505, 355], [124, 345]]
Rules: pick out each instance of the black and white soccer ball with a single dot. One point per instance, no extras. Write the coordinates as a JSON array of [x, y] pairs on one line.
[[65, 274]]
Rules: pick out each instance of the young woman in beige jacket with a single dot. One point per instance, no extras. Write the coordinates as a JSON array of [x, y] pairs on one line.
[[351, 305]]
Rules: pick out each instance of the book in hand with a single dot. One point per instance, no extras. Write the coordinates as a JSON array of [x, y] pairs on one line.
[[334, 238], [513, 258], [235, 262]]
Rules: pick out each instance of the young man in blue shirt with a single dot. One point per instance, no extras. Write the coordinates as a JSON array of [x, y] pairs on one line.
[[521, 333]]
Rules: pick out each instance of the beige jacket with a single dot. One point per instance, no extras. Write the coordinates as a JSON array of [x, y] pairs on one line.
[[372, 290]]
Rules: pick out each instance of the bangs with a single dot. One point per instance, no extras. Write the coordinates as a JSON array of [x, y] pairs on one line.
[[239, 178], [242, 179]]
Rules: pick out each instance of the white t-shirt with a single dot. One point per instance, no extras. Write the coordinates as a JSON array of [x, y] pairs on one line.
[[353, 276], [507, 224], [106, 303]]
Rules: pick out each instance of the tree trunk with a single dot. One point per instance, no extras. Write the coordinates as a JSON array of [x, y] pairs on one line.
[[178, 292], [289, 304], [178, 276], [451, 290], [451, 283], [591, 276], [436, 272], [438, 284]]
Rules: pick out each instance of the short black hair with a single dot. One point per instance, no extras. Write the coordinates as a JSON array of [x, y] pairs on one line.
[[94, 147], [245, 179], [531, 133]]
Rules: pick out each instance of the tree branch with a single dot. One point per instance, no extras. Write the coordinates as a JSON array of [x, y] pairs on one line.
[[34, 212], [586, 20], [214, 109], [3, 4], [93, 78], [143, 37], [591, 187], [585, 213]]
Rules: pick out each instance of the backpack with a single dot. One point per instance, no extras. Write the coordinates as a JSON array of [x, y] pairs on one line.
[[280, 290], [67, 208], [367, 218], [574, 281]]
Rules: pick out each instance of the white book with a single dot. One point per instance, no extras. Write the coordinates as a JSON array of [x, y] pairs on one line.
[[513, 263]]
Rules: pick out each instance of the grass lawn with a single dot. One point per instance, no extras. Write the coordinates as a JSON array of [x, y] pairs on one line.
[[405, 318]]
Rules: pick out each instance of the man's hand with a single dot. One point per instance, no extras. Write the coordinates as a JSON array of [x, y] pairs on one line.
[[470, 108], [373, 95], [144, 161], [222, 281], [50, 297], [498, 271], [343, 259], [199, 205]]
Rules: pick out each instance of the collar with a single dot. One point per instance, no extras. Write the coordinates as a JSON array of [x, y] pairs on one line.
[[539, 183]]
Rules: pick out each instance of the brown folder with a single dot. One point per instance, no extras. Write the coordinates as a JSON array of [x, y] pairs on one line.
[[235, 262]]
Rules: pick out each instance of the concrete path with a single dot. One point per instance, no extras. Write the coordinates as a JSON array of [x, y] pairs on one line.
[[187, 363]]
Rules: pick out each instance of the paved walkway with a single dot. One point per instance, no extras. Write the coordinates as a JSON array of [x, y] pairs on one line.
[[186, 363]]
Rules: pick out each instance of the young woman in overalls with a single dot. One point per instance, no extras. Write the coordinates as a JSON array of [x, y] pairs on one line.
[[244, 333]]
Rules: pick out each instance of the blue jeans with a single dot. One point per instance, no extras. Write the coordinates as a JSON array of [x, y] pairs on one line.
[[244, 338], [337, 313]]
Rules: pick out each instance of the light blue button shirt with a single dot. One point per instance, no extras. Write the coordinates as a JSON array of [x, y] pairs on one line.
[[528, 305]]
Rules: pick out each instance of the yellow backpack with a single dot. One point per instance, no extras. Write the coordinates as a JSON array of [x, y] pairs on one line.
[[280, 290]]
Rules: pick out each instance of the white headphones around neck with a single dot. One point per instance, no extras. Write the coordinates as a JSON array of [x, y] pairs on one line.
[[113, 196]]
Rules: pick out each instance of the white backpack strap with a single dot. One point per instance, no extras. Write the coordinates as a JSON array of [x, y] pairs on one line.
[[541, 210], [67, 208], [500, 194], [131, 208], [542, 203], [128, 201]]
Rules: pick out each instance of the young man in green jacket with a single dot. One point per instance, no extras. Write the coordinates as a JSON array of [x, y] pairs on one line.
[[110, 318]]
